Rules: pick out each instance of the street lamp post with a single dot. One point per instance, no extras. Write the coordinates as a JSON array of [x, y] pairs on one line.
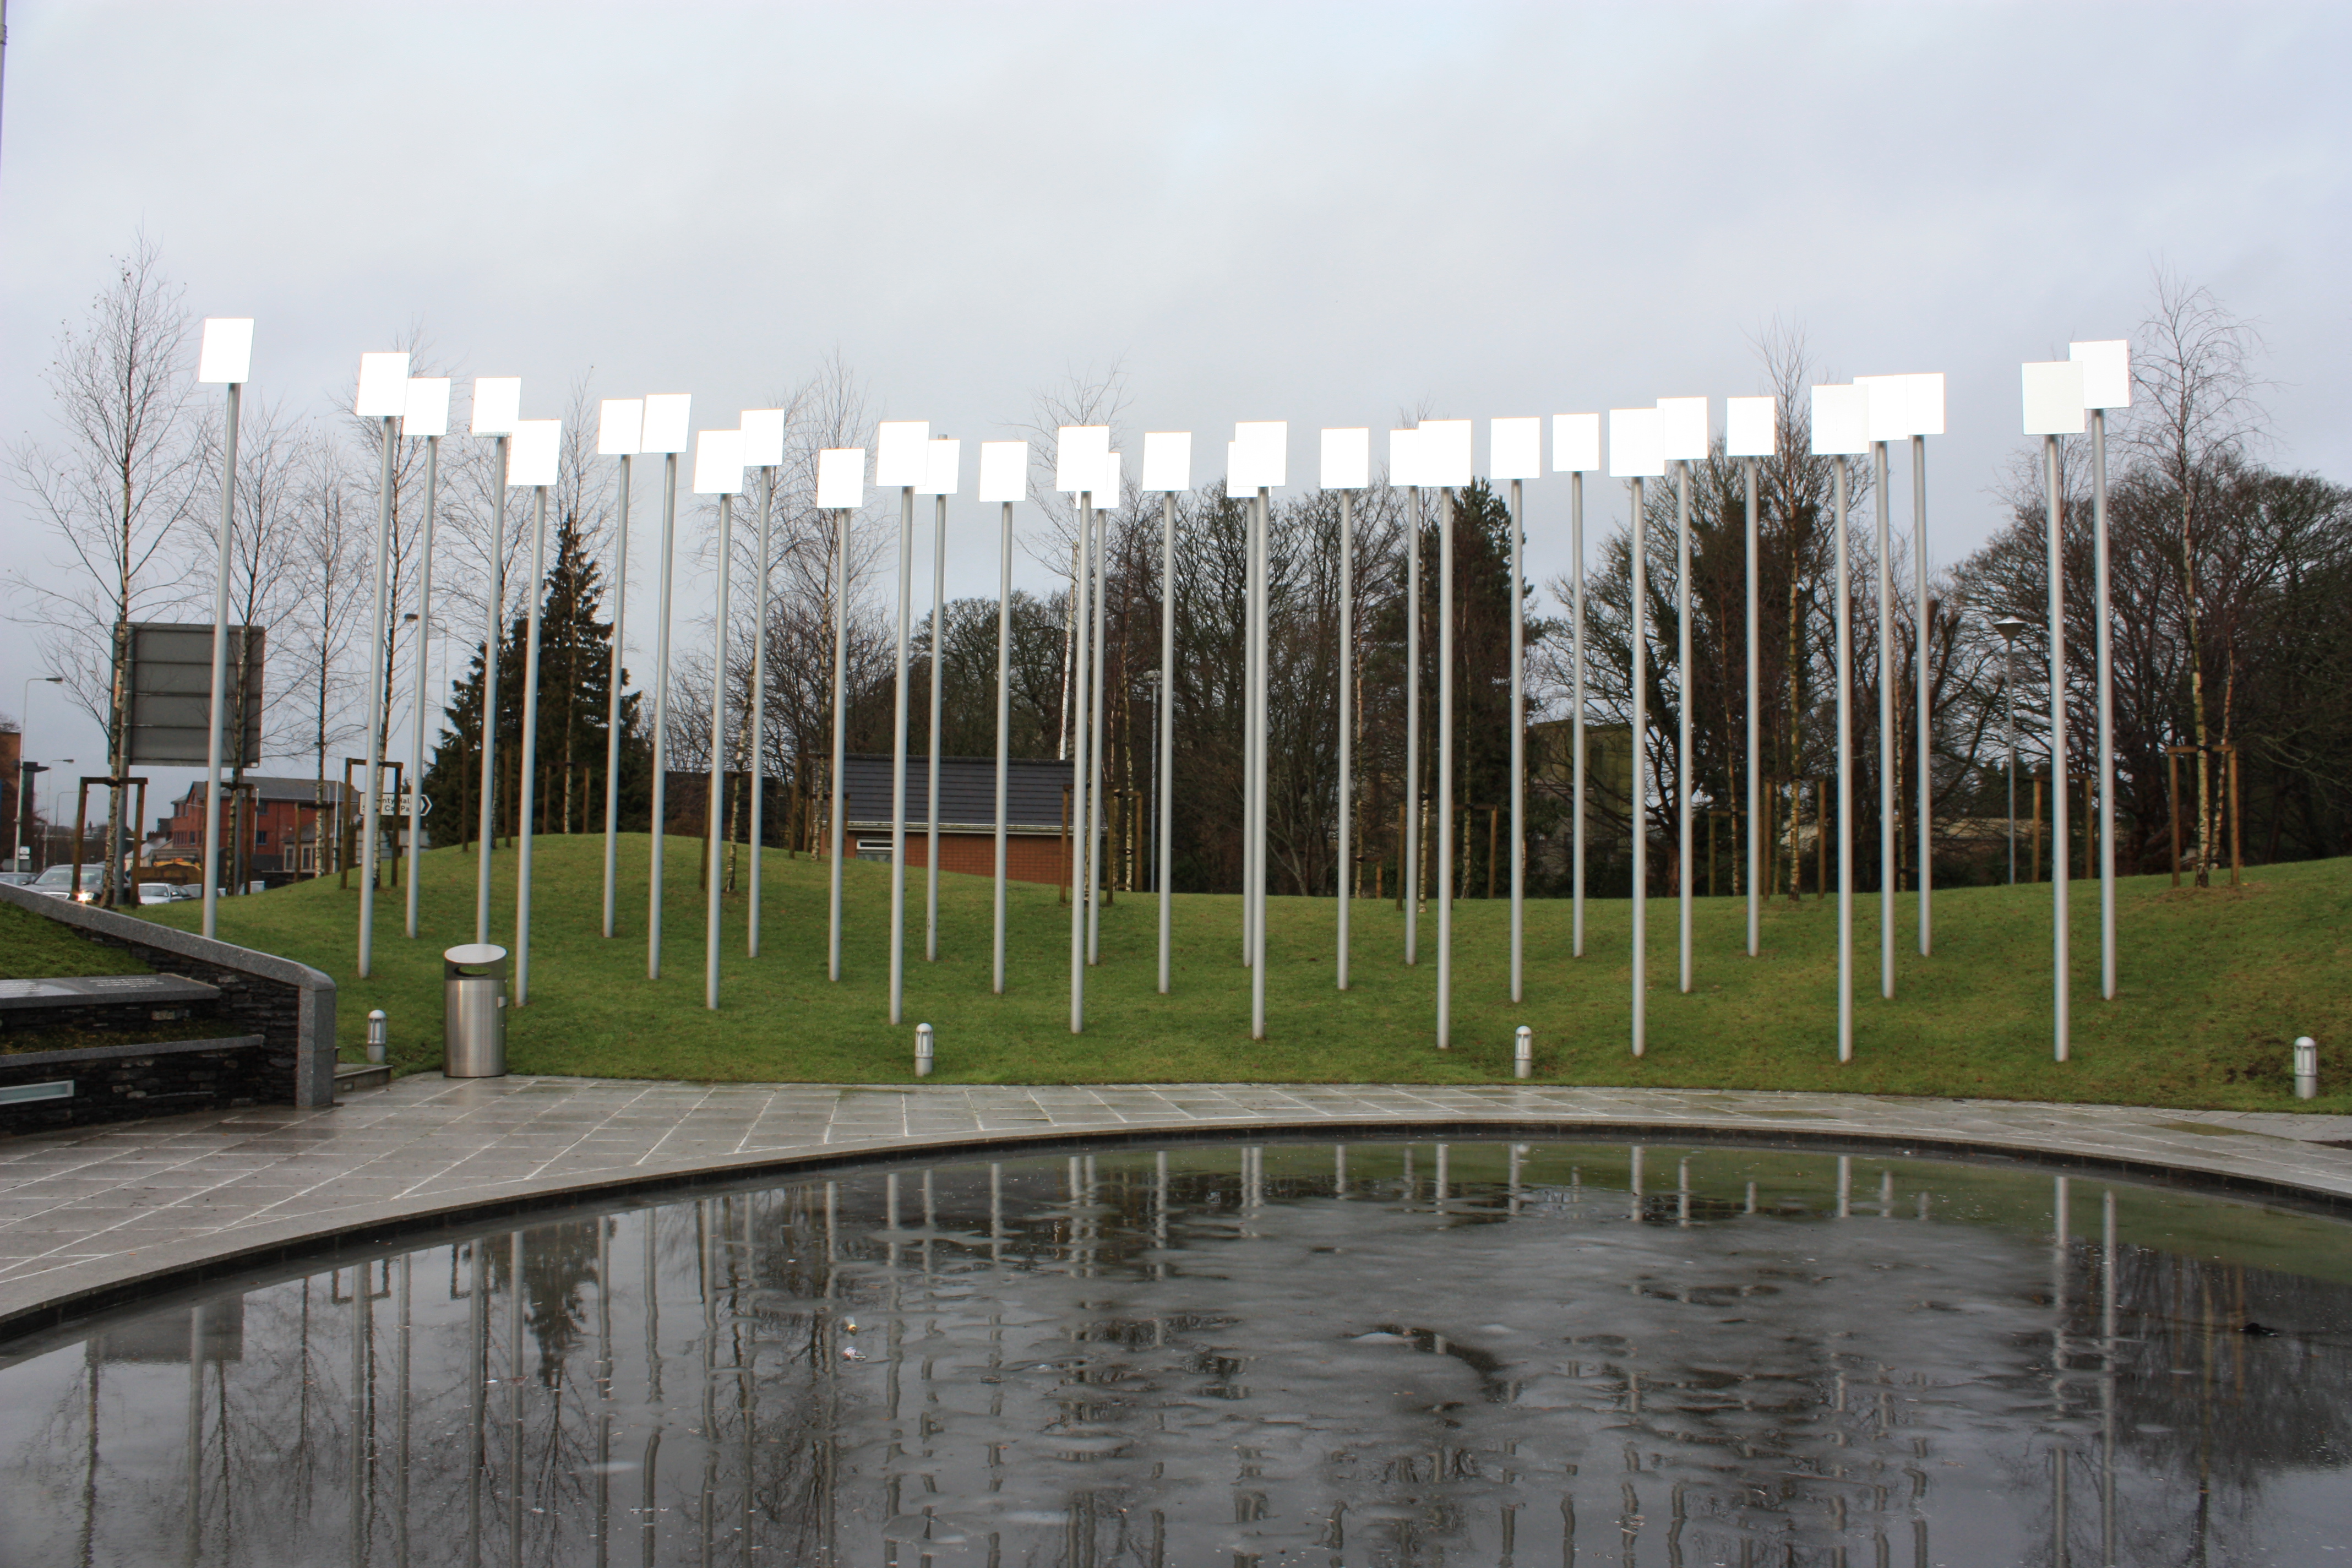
[[226, 359], [24, 703]]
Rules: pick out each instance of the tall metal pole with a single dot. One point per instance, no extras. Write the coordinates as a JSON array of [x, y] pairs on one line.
[[2061, 976], [1518, 744], [613, 701], [1259, 645], [1576, 716], [931, 783], [378, 675], [496, 604], [1167, 769], [2106, 708], [527, 775], [899, 758], [1686, 796], [1409, 873], [1637, 805], [759, 711], [1251, 733], [1003, 723], [1081, 576], [1347, 739], [1844, 768], [660, 821], [714, 819], [1886, 765], [2009, 732], [424, 647], [220, 666], [1923, 695], [1755, 782], [1096, 849], [840, 729], [1445, 768]]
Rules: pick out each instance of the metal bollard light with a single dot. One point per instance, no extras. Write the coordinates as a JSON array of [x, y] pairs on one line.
[[2307, 1068], [923, 1050], [1523, 1053], [378, 1036]]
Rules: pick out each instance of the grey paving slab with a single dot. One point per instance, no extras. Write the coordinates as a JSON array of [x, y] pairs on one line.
[[105, 1209]]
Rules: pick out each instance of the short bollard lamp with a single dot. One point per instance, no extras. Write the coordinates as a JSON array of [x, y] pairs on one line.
[[924, 1044], [378, 1036], [1523, 1053], [2307, 1068]]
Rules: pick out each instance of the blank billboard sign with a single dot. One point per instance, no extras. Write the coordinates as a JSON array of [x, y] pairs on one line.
[[169, 678]]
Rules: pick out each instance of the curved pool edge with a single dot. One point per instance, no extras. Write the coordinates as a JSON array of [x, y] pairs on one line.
[[2128, 1143]]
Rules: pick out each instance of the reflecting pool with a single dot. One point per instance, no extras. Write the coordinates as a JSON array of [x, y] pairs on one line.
[[1370, 1354]]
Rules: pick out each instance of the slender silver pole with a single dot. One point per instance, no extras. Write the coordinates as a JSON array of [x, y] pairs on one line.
[[613, 701], [1755, 783], [378, 675], [424, 646], [2106, 708], [2008, 730], [495, 607], [759, 711], [1249, 730], [1409, 873], [660, 819], [1347, 735], [1518, 744], [527, 775], [1445, 768], [1081, 575], [931, 785], [1686, 796], [2061, 974], [1167, 731], [1923, 694], [1097, 849], [1844, 769], [1637, 803], [899, 758], [1003, 722], [1259, 643], [1886, 763], [714, 819], [220, 666], [1575, 715], [840, 729]]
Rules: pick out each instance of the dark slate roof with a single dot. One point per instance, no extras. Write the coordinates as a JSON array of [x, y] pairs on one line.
[[1033, 793], [272, 789]]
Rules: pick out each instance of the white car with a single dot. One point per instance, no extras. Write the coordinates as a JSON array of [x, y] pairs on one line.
[[58, 881]]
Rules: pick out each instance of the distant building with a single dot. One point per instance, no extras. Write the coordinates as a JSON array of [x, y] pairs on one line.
[[1034, 850], [280, 822]]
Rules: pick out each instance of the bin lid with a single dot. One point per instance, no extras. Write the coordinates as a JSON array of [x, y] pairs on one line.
[[474, 954]]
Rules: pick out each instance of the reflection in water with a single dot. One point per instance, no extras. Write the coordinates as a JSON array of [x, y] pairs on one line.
[[1379, 1354]]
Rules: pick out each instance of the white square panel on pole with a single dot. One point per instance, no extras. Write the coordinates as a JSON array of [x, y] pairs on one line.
[[841, 479], [1515, 448], [425, 406], [1079, 453], [1404, 458], [620, 426], [1889, 402], [1576, 443], [1167, 460], [942, 468], [1445, 449], [718, 463], [1636, 449], [1346, 459], [2054, 399], [2106, 372], [383, 387], [763, 437], [1682, 428], [226, 354], [1750, 427], [1003, 470], [536, 452], [1925, 402], [1841, 420], [667, 416], [1263, 449], [498, 404], [898, 456]]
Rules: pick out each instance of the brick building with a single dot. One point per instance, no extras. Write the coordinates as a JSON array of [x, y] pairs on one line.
[[1034, 846], [279, 824]]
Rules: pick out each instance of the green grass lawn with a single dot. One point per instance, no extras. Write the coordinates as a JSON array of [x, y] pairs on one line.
[[2215, 985], [31, 948]]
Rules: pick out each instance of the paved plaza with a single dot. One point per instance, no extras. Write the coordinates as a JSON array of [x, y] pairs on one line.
[[104, 1209]]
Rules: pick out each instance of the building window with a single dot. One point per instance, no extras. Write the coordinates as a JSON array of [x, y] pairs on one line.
[[260, 835]]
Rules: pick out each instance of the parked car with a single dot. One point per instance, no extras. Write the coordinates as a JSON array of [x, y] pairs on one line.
[[58, 881], [158, 892], [18, 878]]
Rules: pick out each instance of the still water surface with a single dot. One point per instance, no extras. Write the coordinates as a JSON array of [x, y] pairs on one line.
[[1381, 1354]]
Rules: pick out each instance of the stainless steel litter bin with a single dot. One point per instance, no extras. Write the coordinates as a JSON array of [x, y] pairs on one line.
[[474, 985]]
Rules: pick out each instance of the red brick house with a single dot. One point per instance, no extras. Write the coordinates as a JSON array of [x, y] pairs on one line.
[[279, 822], [1034, 846]]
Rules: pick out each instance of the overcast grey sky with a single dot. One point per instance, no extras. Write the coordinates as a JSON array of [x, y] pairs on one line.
[[1323, 214]]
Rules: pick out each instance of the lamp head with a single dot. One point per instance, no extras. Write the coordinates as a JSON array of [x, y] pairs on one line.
[[2009, 626]]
